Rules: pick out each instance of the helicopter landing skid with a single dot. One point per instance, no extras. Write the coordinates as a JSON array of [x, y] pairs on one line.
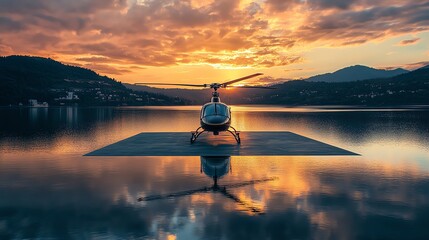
[[235, 133], [197, 133]]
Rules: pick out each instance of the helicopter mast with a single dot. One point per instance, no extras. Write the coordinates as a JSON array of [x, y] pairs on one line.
[[215, 96]]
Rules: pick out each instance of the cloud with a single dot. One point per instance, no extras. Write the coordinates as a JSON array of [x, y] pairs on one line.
[[106, 69], [294, 69], [5, 50], [171, 32], [413, 66], [94, 59], [340, 4], [7, 24], [281, 5], [268, 80], [284, 5], [357, 26], [409, 42]]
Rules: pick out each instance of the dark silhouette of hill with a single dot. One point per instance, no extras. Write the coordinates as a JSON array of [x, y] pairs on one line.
[[195, 96], [200, 96], [354, 73], [23, 78], [404, 89]]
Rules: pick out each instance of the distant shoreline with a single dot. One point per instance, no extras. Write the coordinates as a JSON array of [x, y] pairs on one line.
[[333, 107]]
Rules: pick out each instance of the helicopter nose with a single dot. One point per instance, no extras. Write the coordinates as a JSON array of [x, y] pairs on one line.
[[215, 120]]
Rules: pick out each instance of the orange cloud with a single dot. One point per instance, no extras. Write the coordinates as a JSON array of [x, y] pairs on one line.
[[409, 42], [413, 66], [113, 35]]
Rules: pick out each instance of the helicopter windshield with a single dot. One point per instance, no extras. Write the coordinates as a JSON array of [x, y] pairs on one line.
[[215, 109]]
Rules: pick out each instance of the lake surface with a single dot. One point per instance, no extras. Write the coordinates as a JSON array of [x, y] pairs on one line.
[[48, 190]]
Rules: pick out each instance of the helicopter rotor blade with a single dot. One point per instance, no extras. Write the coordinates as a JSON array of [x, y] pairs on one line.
[[174, 84], [173, 195], [213, 85], [247, 205], [261, 87], [225, 84]]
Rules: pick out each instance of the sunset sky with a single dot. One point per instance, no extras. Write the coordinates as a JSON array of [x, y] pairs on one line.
[[199, 41]]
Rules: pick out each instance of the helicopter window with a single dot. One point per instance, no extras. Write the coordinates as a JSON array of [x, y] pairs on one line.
[[222, 110], [215, 109], [210, 110]]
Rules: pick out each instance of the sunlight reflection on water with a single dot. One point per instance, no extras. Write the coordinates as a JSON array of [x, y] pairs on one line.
[[381, 194]]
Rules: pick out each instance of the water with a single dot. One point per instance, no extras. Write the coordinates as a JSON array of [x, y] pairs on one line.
[[48, 190]]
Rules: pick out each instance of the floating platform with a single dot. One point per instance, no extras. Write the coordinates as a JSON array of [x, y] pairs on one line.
[[252, 144]]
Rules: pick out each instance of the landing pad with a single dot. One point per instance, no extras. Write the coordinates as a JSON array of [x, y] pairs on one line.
[[252, 144]]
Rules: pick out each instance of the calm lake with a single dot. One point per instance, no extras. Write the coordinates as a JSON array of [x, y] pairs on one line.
[[49, 190]]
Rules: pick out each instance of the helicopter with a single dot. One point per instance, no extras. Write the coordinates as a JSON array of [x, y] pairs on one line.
[[215, 116], [216, 167]]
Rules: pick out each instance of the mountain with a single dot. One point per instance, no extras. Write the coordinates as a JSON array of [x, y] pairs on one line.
[[354, 73], [411, 88], [242, 96], [23, 78], [404, 89]]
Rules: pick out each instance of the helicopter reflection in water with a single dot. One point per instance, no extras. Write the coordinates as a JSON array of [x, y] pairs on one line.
[[215, 168]]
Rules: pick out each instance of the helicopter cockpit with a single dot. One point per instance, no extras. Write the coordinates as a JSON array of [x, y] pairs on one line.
[[215, 116], [215, 109]]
